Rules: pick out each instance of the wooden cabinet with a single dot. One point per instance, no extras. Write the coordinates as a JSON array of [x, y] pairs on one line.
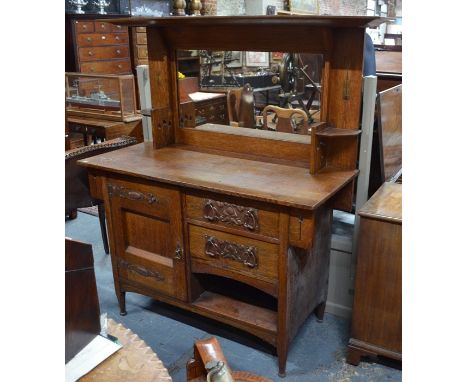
[[148, 241], [96, 46], [376, 325], [235, 224]]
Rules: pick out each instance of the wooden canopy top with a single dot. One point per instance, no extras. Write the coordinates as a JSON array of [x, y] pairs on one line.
[[273, 183], [266, 21]]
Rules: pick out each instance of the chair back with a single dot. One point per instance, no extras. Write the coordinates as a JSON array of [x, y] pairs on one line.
[[286, 119]]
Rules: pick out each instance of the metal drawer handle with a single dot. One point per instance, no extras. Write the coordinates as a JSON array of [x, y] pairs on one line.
[[229, 213], [90, 53], [118, 51], [122, 192], [103, 37], [102, 26], [119, 66], [89, 39], [117, 37], [179, 252]]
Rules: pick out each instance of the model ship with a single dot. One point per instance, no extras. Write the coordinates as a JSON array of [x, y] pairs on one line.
[[98, 99]]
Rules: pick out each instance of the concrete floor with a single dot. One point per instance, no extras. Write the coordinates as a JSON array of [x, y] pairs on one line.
[[317, 354]]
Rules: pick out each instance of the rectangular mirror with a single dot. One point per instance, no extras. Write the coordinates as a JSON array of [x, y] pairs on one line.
[[275, 91]]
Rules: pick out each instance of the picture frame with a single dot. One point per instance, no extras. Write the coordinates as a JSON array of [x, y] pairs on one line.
[[304, 6], [236, 57], [257, 59]]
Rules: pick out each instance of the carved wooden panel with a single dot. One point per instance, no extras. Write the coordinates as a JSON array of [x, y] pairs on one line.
[[246, 255], [231, 214], [122, 192]]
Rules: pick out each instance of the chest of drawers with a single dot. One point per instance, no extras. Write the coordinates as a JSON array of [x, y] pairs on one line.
[[96, 46]]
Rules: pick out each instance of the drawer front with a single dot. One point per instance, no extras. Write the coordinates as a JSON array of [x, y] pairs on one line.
[[142, 52], [225, 212], [102, 53], [141, 39], [117, 66], [249, 257], [84, 26], [101, 39], [118, 28], [213, 113], [146, 198], [103, 27], [141, 29]]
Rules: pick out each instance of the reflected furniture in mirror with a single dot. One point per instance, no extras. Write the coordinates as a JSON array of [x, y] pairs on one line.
[[234, 224]]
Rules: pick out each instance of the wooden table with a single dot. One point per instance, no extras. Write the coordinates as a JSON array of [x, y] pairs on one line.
[[104, 129], [135, 361]]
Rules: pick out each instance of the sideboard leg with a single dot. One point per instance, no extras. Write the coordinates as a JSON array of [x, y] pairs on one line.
[[121, 298], [354, 356], [282, 352], [320, 311]]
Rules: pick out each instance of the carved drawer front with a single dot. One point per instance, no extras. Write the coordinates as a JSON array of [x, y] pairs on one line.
[[102, 53], [230, 214], [216, 251], [146, 198]]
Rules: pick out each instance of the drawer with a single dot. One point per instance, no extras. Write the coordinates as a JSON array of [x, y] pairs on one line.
[[146, 198], [115, 67], [141, 29], [100, 39], [141, 38], [84, 26], [138, 267], [142, 52], [101, 26], [102, 53], [250, 258], [118, 28], [229, 213]]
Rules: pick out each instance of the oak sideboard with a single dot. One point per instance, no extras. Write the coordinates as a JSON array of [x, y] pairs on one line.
[[234, 223]]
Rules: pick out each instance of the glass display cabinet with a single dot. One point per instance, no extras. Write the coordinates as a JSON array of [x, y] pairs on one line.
[[103, 96], [230, 222]]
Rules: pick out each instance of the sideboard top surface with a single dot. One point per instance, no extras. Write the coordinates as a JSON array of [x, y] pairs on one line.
[[268, 182], [260, 20], [385, 204]]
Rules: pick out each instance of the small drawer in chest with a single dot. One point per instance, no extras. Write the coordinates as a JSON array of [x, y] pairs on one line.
[[116, 66], [212, 111], [101, 39], [102, 53]]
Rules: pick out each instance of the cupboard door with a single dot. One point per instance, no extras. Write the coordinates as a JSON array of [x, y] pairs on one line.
[[147, 232]]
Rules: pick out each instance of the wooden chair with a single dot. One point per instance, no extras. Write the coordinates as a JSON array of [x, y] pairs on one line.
[[77, 193], [287, 121], [240, 102]]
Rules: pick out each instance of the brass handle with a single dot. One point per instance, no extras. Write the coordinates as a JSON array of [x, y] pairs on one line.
[[103, 37], [179, 252], [102, 26], [90, 53], [117, 37], [85, 26], [118, 51], [119, 66], [89, 39]]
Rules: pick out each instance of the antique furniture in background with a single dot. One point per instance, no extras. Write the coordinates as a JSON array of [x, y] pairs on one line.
[[286, 119], [81, 299], [235, 224], [209, 360], [376, 323], [77, 187], [388, 67], [386, 162], [93, 46]]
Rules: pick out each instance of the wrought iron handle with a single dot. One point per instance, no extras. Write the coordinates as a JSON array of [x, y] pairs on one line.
[[179, 252]]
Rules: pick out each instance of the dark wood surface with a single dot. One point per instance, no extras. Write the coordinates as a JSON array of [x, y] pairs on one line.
[[278, 184], [82, 322], [377, 311]]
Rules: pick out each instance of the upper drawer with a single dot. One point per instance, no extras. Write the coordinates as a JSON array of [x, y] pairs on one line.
[[99, 39], [149, 199], [226, 212], [114, 67], [101, 26], [84, 26], [141, 38], [102, 53], [142, 52]]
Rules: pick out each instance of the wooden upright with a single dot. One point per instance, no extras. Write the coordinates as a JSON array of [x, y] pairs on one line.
[[231, 223]]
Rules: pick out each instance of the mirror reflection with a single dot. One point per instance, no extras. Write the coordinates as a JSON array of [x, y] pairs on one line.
[[275, 91]]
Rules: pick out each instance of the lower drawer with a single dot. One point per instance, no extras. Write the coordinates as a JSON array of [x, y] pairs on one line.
[[103, 53], [114, 67], [250, 258]]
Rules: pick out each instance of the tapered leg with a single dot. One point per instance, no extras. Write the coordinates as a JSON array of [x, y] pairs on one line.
[[121, 298], [354, 356], [282, 351], [102, 222], [320, 311]]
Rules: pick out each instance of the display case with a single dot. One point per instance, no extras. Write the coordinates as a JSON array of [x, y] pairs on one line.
[[105, 96]]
